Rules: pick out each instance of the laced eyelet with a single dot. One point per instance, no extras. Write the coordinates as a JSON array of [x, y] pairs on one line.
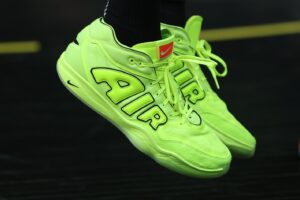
[[178, 40], [131, 60]]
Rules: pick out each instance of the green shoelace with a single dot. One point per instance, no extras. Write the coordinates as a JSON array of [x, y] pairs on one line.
[[203, 50], [168, 83]]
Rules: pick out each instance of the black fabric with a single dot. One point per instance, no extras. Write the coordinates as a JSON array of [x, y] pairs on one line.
[[173, 12], [134, 21]]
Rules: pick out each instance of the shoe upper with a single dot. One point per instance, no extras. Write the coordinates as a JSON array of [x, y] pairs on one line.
[[206, 102], [142, 99]]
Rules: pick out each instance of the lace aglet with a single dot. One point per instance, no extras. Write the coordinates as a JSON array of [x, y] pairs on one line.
[[216, 82]]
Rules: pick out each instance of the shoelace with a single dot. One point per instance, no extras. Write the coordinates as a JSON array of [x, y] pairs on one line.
[[203, 50], [170, 87]]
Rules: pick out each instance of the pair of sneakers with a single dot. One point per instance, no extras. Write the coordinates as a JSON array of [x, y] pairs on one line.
[[157, 95]]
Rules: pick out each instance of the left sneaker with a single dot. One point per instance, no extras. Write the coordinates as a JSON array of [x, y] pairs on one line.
[[198, 92], [134, 89]]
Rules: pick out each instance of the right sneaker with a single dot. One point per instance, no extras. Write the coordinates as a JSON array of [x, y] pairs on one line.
[[134, 89], [199, 93]]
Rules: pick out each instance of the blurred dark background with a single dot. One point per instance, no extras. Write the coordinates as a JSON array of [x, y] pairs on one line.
[[54, 147]]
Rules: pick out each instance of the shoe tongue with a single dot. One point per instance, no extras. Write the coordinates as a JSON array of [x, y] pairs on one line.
[[158, 50], [193, 28]]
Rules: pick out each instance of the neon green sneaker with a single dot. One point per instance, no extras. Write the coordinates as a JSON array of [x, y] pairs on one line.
[[134, 89], [198, 92]]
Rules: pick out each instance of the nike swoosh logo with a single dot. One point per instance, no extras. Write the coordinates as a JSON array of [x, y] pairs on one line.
[[166, 51], [69, 82]]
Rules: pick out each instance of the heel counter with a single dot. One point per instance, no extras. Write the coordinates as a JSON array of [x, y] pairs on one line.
[[73, 56], [83, 35]]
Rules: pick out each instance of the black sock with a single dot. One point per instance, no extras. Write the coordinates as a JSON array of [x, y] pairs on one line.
[[134, 21], [173, 12]]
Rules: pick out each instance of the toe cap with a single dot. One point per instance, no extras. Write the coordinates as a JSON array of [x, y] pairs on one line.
[[236, 137], [199, 154]]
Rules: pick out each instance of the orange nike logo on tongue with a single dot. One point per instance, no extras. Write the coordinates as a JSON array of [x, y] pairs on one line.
[[166, 50]]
